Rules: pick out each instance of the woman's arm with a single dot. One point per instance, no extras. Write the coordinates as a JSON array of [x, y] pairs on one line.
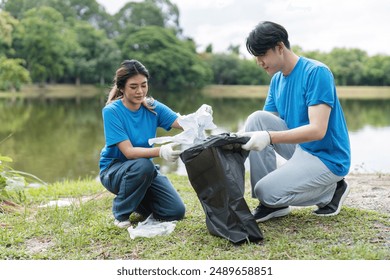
[[131, 152], [176, 124]]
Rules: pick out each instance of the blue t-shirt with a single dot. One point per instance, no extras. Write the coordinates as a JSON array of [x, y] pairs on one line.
[[311, 83], [138, 127]]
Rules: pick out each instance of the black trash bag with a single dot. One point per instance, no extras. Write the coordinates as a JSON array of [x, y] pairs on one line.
[[217, 173]]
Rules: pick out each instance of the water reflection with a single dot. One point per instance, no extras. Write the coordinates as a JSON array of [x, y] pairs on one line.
[[60, 140], [370, 150]]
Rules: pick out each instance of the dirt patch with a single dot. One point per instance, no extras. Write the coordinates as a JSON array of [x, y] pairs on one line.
[[369, 192], [36, 245]]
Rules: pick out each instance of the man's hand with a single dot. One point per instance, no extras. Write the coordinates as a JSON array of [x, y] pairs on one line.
[[258, 140], [167, 152]]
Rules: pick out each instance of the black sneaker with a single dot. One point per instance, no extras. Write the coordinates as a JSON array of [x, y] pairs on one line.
[[263, 213], [334, 206]]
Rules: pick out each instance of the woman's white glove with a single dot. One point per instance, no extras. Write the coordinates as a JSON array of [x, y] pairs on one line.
[[168, 153], [259, 140]]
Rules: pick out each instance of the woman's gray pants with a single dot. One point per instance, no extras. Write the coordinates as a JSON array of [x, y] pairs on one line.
[[302, 181]]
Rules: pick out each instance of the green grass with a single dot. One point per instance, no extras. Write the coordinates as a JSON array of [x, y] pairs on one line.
[[85, 231]]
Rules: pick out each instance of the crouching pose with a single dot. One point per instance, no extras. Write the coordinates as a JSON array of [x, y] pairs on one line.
[[302, 120], [126, 168]]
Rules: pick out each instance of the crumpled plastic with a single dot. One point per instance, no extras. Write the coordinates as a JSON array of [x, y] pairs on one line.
[[194, 126], [151, 228]]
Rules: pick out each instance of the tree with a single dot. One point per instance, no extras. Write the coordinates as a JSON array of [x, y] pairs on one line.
[[149, 12], [234, 49], [94, 57], [43, 41], [7, 27], [209, 48], [173, 63], [13, 75], [377, 70], [249, 73], [346, 65]]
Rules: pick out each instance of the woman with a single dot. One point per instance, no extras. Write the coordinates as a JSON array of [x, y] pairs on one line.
[[130, 118]]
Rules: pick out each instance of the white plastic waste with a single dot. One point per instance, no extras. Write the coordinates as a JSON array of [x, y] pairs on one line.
[[194, 126], [151, 228]]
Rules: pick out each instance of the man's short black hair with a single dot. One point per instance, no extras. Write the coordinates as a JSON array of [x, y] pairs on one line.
[[265, 36]]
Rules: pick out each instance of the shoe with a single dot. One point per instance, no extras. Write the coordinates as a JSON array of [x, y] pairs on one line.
[[122, 224], [334, 206], [263, 213]]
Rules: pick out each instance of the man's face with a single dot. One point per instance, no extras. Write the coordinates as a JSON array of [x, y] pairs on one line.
[[271, 61]]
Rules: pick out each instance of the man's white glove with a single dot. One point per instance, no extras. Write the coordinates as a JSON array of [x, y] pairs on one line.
[[259, 140], [168, 153]]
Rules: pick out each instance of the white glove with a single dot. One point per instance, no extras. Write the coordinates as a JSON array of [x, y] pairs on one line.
[[167, 152], [259, 140]]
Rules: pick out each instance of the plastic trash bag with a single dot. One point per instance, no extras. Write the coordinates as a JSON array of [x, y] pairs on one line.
[[151, 228], [216, 171], [194, 126]]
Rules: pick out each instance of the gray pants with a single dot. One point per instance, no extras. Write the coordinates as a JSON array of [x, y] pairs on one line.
[[302, 181]]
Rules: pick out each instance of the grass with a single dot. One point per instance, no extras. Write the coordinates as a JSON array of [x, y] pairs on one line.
[[85, 231]]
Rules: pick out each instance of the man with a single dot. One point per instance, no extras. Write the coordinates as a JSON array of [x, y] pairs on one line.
[[302, 121]]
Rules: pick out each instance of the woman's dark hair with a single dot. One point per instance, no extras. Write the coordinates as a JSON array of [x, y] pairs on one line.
[[265, 36], [128, 69]]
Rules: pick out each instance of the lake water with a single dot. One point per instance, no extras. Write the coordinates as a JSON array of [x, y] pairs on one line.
[[59, 140]]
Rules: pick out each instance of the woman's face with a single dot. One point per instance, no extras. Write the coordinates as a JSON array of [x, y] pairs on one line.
[[135, 91]]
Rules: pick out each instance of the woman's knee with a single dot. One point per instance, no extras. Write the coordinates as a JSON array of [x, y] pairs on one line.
[[176, 212], [179, 212], [142, 166]]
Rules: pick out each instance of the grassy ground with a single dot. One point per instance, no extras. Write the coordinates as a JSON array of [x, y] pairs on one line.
[[85, 231]]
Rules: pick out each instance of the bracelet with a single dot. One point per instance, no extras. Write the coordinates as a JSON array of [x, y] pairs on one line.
[[270, 139]]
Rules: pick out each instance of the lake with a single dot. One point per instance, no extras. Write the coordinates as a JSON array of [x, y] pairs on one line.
[[60, 140]]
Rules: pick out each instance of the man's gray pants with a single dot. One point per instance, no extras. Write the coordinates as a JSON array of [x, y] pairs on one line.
[[303, 180]]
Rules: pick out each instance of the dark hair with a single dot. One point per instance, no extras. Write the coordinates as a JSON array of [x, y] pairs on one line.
[[128, 69], [266, 35]]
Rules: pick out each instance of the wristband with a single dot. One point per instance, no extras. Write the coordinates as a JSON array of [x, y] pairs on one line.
[[270, 139]]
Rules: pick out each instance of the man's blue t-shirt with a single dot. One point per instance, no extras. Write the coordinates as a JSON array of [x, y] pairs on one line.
[[138, 127], [311, 83]]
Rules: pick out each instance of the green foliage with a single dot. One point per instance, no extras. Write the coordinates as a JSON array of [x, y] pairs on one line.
[[230, 69], [12, 182], [7, 25], [44, 43], [172, 63], [13, 75], [77, 41]]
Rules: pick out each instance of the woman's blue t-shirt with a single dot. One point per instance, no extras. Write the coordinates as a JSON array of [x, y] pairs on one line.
[[311, 83], [138, 127]]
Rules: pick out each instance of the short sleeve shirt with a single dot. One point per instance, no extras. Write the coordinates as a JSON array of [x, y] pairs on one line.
[[138, 127], [311, 83]]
